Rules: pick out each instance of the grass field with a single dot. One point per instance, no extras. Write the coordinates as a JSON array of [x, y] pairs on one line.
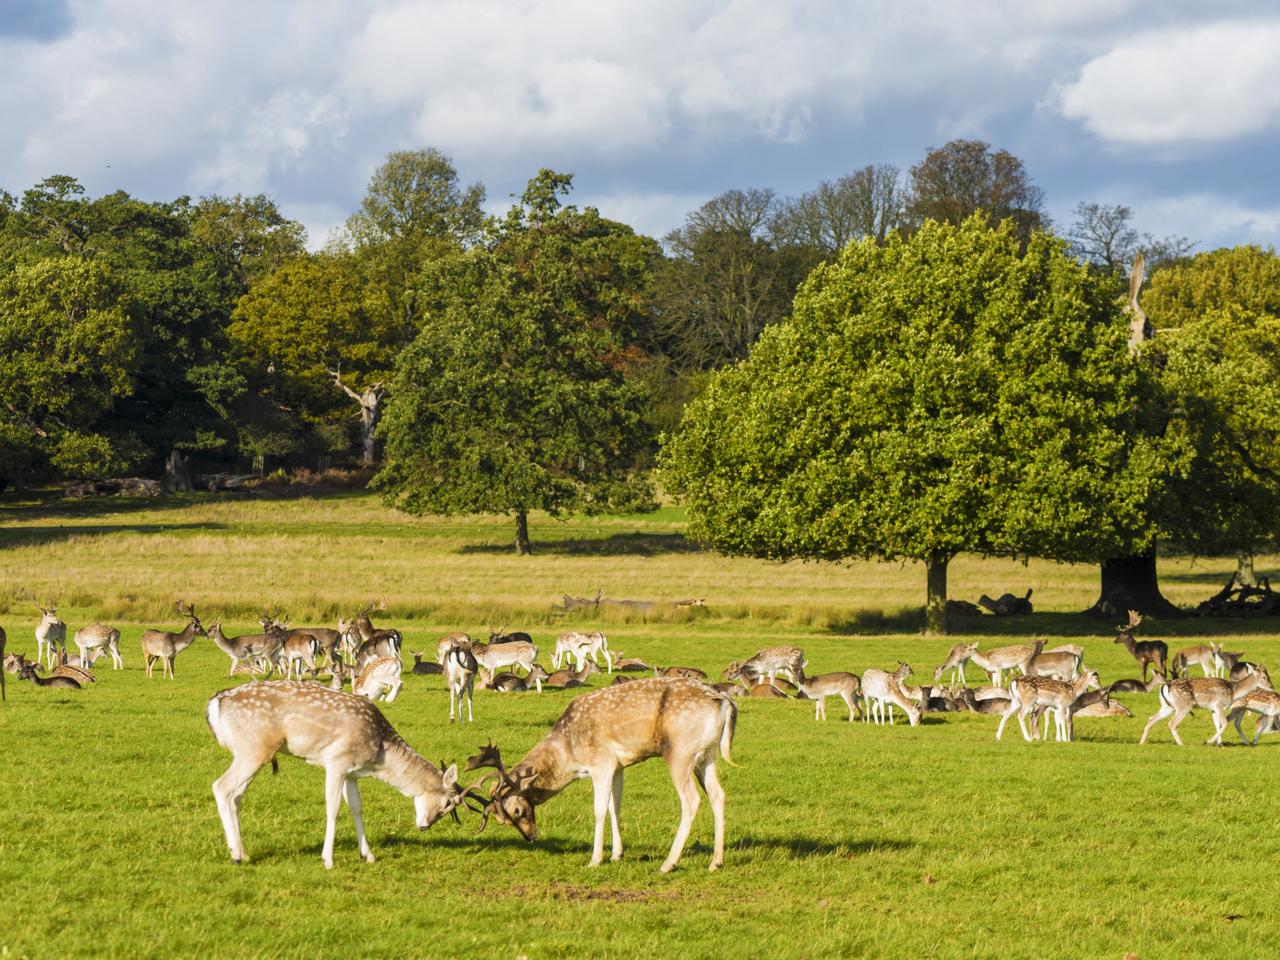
[[843, 839]]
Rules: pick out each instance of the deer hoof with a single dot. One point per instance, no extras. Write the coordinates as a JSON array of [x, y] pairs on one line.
[[667, 867]]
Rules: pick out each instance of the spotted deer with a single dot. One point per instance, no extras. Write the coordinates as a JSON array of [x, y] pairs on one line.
[[1208, 659], [51, 635], [1178, 698], [1148, 653], [882, 691], [1026, 693], [28, 672], [1266, 704], [460, 669], [345, 734], [600, 734], [1059, 665], [768, 663], [92, 640], [163, 646], [258, 650], [515, 653], [379, 680]]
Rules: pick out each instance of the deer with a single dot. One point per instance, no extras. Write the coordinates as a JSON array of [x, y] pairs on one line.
[[97, 638], [516, 653], [1028, 692], [600, 734], [817, 689], [511, 683], [369, 632], [299, 651], [345, 734], [957, 656], [882, 690], [380, 679], [1136, 686], [570, 678], [1265, 703], [501, 636], [28, 672], [383, 643], [630, 664], [349, 639], [51, 635], [81, 674], [689, 673], [1178, 698], [425, 668], [1062, 665], [569, 649], [1207, 659], [1153, 653], [164, 646], [327, 639], [994, 662], [460, 670], [448, 642], [768, 663], [250, 648]]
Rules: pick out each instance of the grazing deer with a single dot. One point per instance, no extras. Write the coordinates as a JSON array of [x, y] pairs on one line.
[[516, 653], [957, 656], [165, 646], [425, 668], [1265, 703], [883, 690], [249, 649], [1178, 698], [28, 672], [768, 663], [842, 685], [460, 670], [511, 683], [345, 734], [381, 678], [683, 721], [1206, 658], [689, 673], [1028, 692], [562, 679], [1153, 653], [91, 641], [51, 635], [1062, 665]]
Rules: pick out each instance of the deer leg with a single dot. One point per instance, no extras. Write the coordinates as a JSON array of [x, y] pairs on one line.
[[1164, 711], [615, 815], [351, 787], [715, 794], [682, 777], [848, 702], [1009, 711], [227, 791], [1219, 725], [393, 691], [470, 697], [1178, 716], [601, 784], [333, 781], [1023, 713]]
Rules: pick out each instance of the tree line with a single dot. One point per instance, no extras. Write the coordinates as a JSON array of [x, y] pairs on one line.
[[893, 364]]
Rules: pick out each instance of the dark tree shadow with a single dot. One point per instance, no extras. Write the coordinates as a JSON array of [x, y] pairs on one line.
[[801, 848], [618, 544], [1068, 625], [37, 536]]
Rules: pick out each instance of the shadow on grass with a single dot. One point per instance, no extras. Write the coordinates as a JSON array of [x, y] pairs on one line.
[[802, 848], [35, 536], [616, 545], [877, 623]]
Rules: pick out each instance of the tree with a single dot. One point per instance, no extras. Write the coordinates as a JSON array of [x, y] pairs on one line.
[[933, 395], [962, 177], [1102, 235], [516, 394], [870, 202], [249, 235]]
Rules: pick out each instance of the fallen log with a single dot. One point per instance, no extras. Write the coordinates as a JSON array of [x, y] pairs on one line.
[[1007, 605]]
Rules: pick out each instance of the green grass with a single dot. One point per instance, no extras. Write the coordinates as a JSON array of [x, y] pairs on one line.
[[843, 839]]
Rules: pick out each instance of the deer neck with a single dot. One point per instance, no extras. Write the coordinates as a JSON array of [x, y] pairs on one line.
[[549, 760], [403, 768], [1246, 684]]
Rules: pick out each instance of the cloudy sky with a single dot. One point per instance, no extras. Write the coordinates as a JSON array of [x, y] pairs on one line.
[[1172, 108]]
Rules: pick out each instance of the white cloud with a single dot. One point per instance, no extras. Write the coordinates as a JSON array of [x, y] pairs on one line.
[[1212, 220], [1209, 82]]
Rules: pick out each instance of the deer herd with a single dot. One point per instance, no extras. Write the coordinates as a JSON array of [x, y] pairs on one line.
[[677, 713]]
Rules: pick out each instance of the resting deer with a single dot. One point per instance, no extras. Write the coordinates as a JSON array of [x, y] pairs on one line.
[[689, 673], [345, 734], [380, 679], [425, 668], [1027, 692], [460, 670], [768, 663], [683, 721], [842, 685], [1179, 697], [570, 678], [28, 672], [883, 690], [165, 647], [80, 674], [51, 635], [91, 641], [1265, 703], [1208, 659], [260, 650], [1153, 653], [511, 683]]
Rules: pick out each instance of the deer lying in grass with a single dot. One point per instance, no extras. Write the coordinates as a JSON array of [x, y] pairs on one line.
[[562, 679], [427, 667], [600, 734], [1148, 653], [163, 646], [842, 685], [345, 734], [630, 664], [1265, 703], [883, 690], [81, 675], [1178, 698], [512, 683], [460, 670], [28, 672], [1027, 692], [91, 641], [51, 635], [688, 673], [380, 679]]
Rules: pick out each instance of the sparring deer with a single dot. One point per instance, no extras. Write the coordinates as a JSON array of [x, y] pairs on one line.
[[164, 646], [91, 641], [258, 650], [1179, 697], [842, 685], [768, 663], [883, 690], [1026, 693], [345, 734], [51, 635], [1153, 653], [1208, 659], [460, 670], [380, 679], [1265, 703], [683, 721]]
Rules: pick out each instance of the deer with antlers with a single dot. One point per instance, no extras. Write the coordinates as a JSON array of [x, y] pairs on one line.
[[51, 635], [261, 650], [345, 734], [600, 734], [1153, 653], [164, 646]]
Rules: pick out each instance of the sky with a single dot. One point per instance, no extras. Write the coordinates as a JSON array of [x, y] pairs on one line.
[[1172, 109]]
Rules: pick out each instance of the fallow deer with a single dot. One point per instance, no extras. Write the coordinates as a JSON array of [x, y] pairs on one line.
[[630, 664], [93, 640], [570, 678], [81, 675], [1206, 658], [1062, 665], [1179, 697], [368, 632], [516, 653], [460, 670], [501, 636], [842, 685], [51, 635], [298, 652], [1028, 692], [328, 640], [567, 648], [882, 690], [768, 663], [448, 642], [994, 662], [689, 673], [1152, 653], [380, 679], [512, 683], [260, 651], [427, 667], [383, 643], [164, 646], [683, 721], [1265, 703], [345, 734], [957, 656], [28, 672]]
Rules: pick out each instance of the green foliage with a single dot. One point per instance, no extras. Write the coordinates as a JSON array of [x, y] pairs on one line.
[[249, 236], [933, 395], [516, 394]]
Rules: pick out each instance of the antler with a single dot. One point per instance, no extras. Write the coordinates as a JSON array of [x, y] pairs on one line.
[[489, 756], [1135, 618]]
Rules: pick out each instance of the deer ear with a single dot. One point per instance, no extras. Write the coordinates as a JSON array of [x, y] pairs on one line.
[[450, 776]]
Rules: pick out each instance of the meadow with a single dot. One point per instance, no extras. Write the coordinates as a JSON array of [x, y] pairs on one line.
[[843, 839]]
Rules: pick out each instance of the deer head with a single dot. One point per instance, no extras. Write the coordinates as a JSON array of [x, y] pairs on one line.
[[507, 802]]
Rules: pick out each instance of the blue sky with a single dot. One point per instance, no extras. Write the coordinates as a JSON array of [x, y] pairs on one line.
[[1171, 108]]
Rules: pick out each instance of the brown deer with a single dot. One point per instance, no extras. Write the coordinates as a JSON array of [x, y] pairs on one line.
[[164, 646], [1265, 703], [28, 672], [683, 721], [345, 734], [51, 635], [1179, 697], [689, 673], [514, 653], [842, 685], [380, 679], [259, 650], [570, 678], [1059, 665], [368, 632], [92, 640], [1208, 659], [512, 683], [1028, 692], [1153, 653], [501, 636], [81, 675], [883, 690], [768, 663]]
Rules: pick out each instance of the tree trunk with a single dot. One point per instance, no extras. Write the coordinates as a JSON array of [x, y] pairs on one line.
[[935, 611], [1245, 575], [522, 533], [1131, 583], [177, 473], [368, 425]]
